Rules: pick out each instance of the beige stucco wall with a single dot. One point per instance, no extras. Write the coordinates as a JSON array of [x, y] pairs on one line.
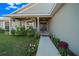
[[65, 25]]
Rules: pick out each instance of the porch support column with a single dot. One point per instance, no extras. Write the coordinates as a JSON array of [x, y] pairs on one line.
[[10, 25], [4, 25], [25, 24], [38, 29]]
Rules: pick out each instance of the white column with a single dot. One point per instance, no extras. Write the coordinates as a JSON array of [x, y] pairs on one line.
[[10, 26], [3, 24], [25, 24], [38, 29]]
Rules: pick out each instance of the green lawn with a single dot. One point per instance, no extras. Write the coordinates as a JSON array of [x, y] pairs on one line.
[[17, 45]]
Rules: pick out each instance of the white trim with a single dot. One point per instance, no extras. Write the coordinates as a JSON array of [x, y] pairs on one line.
[[3, 24], [38, 29], [19, 9], [28, 7], [10, 23], [56, 7]]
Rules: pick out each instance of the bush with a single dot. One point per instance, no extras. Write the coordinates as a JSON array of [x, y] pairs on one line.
[[2, 30], [63, 44], [56, 41], [51, 36], [64, 51], [23, 30], [13, 32], [7, 28], [20, 31], [37, 35], [63, 48], [30, 31]]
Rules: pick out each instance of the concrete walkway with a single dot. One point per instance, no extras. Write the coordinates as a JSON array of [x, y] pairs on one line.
[[46, 47]]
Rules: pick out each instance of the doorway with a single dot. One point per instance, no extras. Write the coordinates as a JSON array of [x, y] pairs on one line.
[[43, 27]]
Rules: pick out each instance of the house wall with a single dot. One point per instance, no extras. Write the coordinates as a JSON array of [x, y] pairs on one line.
[[65, 25]]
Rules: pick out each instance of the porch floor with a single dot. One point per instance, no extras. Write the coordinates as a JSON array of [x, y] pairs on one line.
[[46, 47]]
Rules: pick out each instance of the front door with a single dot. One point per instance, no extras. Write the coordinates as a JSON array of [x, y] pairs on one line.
[[43, 27]]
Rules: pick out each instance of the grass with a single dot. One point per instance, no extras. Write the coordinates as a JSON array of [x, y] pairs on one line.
[[17, 45]]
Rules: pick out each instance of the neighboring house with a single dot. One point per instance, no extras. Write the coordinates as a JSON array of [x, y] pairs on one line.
[[62, 20], [4, 23]]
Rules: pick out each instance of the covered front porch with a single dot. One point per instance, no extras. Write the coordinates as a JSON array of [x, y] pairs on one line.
[[40, 24], [35, 15]]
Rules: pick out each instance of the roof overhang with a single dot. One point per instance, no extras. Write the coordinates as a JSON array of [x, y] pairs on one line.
[[29, 13]]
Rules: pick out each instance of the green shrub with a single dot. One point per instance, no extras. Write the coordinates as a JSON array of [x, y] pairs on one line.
[[51, 36], [2, 30], [56, 41], [63, 51], [23, 30], [13, 32], [20, 30], [30, 31], [17, 31], [63, 48], [37, 35], [7, 28]]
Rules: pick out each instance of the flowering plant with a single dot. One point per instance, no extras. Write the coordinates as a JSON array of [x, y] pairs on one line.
[[63, 48], [63, 44]]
